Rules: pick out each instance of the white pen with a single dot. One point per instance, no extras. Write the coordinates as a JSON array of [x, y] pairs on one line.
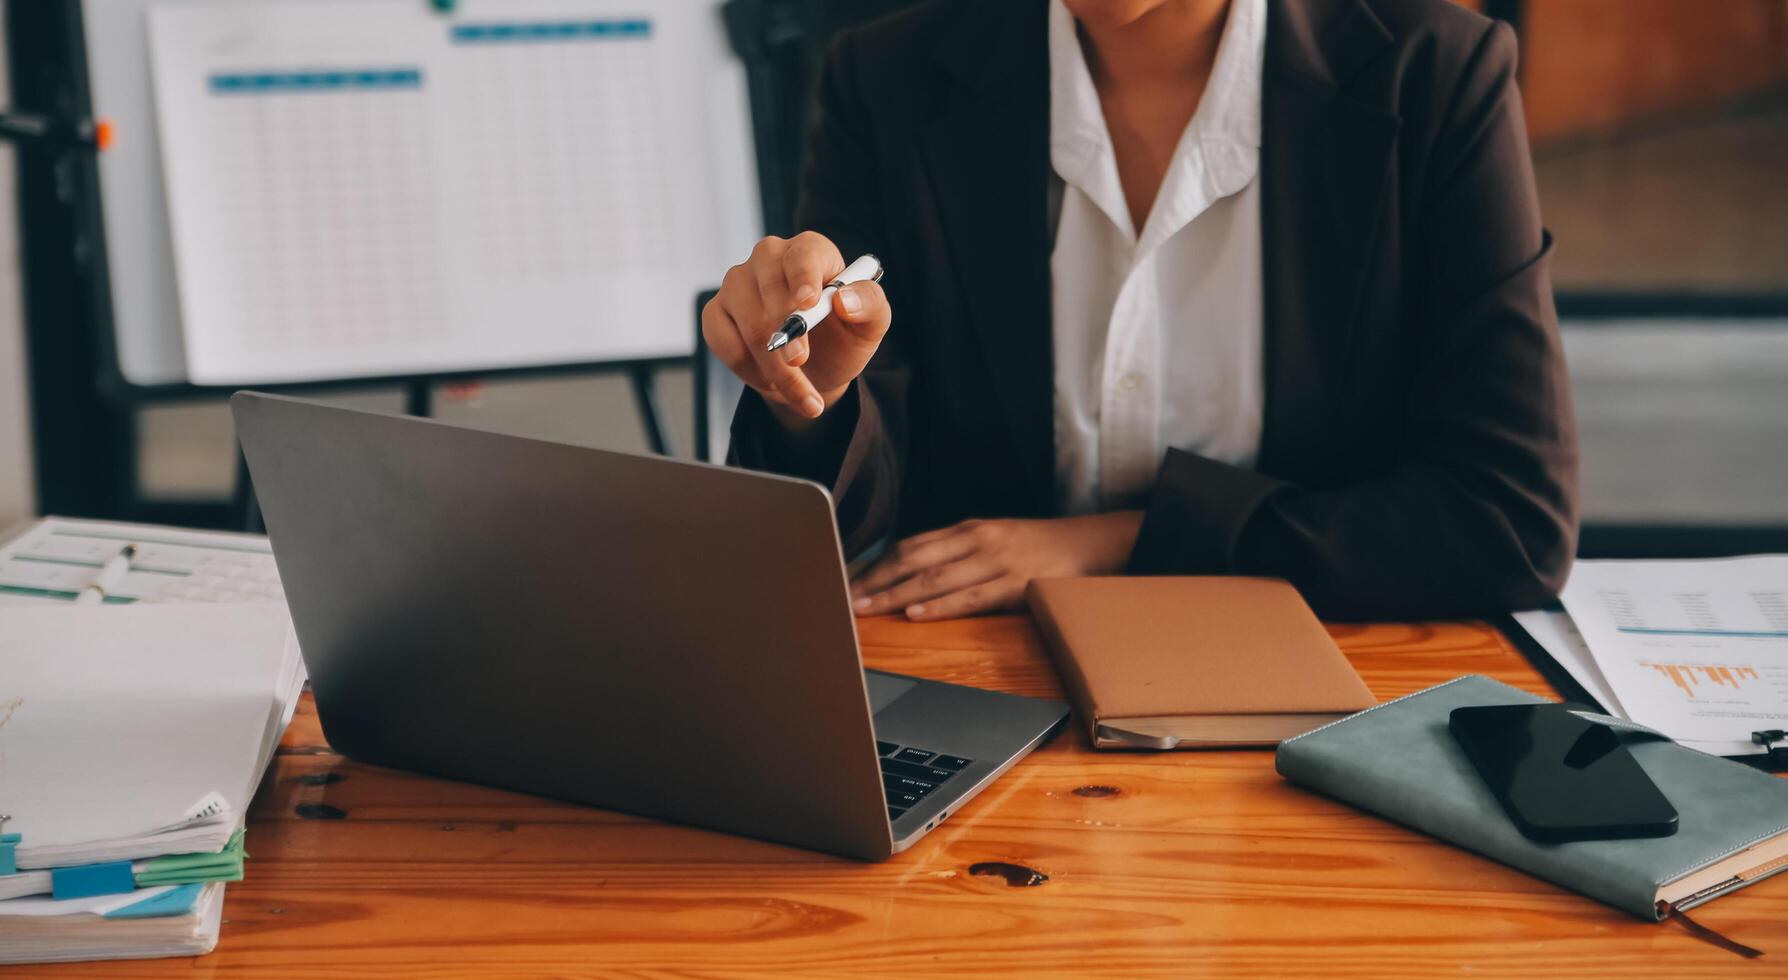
[[867, 267], [109, 574]]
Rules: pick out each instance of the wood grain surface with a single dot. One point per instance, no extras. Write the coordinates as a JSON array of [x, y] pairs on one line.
[[1116, 864]]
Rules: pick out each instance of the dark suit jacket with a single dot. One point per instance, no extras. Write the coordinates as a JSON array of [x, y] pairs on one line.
[[1418, 456]]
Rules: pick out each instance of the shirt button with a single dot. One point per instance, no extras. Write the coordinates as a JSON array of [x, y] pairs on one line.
[[1130, 382]]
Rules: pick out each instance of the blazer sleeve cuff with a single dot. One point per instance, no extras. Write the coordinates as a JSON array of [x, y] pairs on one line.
[[1196, 516], [818, 454], [847, 452]]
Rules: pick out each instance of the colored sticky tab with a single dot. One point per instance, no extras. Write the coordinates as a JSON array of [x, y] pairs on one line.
[[92, 879], [175, 901], [180, 869], [9, 863]]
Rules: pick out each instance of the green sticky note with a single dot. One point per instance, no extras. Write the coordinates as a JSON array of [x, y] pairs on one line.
[[186, 869]]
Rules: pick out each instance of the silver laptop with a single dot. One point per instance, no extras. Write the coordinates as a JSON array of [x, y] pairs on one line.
[[666, 638]]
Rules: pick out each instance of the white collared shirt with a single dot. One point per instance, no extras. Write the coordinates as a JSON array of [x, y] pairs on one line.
[[1157, 336]]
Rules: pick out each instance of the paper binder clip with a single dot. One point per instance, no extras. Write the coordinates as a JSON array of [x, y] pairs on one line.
[[1769, 739], [92, 879], [9, 863]]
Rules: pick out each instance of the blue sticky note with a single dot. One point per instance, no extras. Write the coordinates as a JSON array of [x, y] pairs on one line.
[[89, 880], [179, 901]]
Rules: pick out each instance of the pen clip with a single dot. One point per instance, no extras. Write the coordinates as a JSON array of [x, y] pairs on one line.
[[1768, 738], [839, 283]]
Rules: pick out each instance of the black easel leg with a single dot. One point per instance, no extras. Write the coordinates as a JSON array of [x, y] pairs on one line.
[[419, 399], [645, 396]]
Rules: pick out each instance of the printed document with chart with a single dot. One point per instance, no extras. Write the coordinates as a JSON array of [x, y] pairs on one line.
[[51, 561], [378, 188], [1698, 649]]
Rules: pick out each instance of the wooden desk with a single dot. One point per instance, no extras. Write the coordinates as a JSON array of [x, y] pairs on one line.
[[1173, 864]]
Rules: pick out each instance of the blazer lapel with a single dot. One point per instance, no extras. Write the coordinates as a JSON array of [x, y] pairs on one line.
[[1325, 168], [987, 157]]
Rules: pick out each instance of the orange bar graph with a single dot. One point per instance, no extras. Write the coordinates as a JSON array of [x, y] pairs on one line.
[[1690, 676]]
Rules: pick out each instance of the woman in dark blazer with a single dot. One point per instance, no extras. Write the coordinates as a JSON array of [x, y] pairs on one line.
[[1377, 407]]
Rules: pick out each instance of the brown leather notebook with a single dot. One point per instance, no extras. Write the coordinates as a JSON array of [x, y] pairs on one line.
[[1163, 663]]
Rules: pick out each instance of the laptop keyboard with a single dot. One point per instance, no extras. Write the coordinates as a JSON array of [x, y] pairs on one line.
[[909, 774]]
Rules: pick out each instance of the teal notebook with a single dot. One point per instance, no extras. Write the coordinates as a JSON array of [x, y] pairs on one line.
[[1399, 761]]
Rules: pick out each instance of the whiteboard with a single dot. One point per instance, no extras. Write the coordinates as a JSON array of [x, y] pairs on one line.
[[535, 319]]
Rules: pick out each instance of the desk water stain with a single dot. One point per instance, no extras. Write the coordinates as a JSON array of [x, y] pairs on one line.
[[1016, 875], [320, 811], [1098, 791], [321, 778]]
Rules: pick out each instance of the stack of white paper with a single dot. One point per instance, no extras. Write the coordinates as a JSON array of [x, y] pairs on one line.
[[130, 732], [205, 827], [172, 920], [1695, 649]]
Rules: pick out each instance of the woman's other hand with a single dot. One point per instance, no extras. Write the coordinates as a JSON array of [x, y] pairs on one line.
[[983, 566]]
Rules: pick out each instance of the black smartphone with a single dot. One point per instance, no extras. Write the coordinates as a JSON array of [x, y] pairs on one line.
[[1561, 777]]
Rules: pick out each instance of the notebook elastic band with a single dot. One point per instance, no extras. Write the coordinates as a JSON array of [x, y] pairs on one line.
[[1707, 935]]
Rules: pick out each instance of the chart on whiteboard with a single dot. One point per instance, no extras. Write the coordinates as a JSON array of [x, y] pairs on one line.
[[357, 190]]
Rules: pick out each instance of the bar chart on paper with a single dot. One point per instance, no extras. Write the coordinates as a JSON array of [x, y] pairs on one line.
[[1690, 678], [1699, 649]]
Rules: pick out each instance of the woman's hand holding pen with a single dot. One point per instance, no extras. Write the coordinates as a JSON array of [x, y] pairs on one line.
[[808, 375], [972, 567]]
